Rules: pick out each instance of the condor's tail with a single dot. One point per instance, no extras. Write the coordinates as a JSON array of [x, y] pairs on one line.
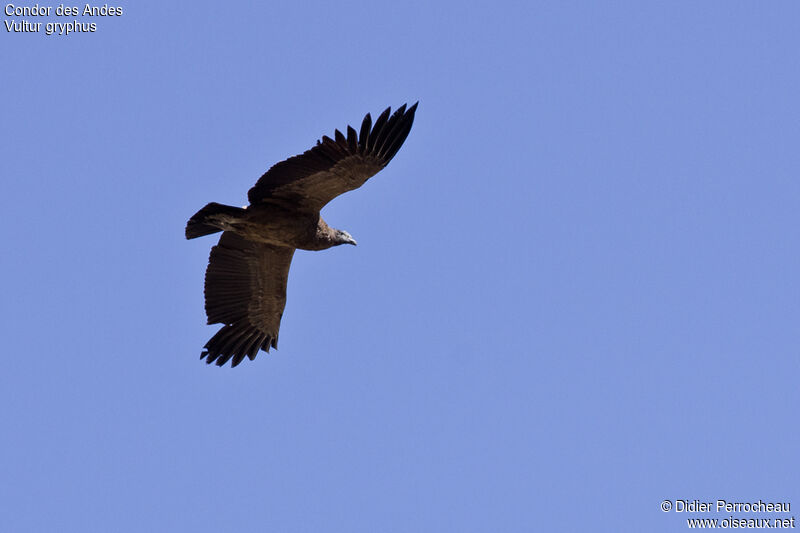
[[211, 219]]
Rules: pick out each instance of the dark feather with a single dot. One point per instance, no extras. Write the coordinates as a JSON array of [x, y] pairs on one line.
[[378, 128], [340, 138], [388, 129], [363, 135], [393, 144], [352, 140]]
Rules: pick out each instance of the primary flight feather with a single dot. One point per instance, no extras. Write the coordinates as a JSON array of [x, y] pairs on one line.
[[245, 285]]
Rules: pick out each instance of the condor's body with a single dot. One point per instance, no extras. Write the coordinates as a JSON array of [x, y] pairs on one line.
[[248, 269]]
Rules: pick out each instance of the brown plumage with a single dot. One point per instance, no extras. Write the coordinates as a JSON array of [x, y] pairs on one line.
[[245, 285]]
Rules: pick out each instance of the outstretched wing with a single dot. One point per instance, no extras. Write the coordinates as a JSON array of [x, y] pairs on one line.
[[245, 290], [314, 178]]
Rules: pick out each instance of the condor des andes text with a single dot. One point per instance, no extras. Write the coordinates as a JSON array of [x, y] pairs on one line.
[[62, 28], [62, 11]]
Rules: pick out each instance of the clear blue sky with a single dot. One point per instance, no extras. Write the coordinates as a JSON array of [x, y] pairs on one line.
[[576, 291]]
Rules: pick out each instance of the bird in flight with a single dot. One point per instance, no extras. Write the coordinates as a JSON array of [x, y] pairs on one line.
[[245, 285]]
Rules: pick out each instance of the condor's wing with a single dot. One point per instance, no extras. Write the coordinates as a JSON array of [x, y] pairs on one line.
[[334, 166], [245, 290]]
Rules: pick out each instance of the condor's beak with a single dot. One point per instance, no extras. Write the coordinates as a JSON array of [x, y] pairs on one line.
[[342, 237]]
